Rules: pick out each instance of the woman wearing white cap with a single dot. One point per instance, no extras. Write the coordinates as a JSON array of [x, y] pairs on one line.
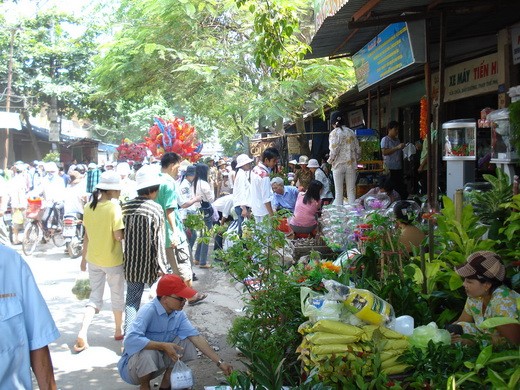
[[241, 189], [103, 251]]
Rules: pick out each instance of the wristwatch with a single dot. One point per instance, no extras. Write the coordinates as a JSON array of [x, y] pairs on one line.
[[219, 363]]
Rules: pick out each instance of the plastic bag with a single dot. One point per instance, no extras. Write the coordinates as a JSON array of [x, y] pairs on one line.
[[17, 217], [423, 334], [181, 377], [231, 235], [82, 286]]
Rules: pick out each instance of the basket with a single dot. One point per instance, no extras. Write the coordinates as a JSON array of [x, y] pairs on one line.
[[317, 245], [34, 208]]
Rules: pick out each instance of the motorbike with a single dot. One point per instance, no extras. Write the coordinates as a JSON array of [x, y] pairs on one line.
[[73, 232]]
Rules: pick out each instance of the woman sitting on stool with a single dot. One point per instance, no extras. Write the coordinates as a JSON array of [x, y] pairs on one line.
[[306, 209]]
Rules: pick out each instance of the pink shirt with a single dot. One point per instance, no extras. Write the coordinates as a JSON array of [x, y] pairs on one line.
[[304, 214]]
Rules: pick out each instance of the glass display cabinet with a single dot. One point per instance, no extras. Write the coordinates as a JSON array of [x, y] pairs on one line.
[[459, 145]]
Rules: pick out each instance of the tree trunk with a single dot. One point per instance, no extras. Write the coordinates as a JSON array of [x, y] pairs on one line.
[[34, 142], [302, 138]]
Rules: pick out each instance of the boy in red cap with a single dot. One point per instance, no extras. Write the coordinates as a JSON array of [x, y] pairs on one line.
[[160, 335]]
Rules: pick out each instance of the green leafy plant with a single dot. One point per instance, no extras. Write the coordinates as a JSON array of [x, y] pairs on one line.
[[433, 365], [510, 245], [488, 204], [514, 118], [52, 157], [272, 296], [497, 370], [457, 240]]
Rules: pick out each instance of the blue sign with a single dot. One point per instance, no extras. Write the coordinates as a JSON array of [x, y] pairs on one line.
[[389, 52]]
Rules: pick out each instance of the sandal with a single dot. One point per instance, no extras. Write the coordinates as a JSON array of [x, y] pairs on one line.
[[205, 266], [196, 262], [80, 345], [198, 298]]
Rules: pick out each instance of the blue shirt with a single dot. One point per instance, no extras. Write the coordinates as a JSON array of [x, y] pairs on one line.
[[287, 200], [25, 321], [153, 324], [394, 160]]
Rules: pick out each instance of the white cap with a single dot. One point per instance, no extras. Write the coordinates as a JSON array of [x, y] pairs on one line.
[[92, 165], [313, 163], [51, 167], [303, 160], [147, 176], [109, 180], [123, 168], [243, 159]]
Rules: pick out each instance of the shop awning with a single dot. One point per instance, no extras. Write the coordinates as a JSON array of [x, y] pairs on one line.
[[353, 23]]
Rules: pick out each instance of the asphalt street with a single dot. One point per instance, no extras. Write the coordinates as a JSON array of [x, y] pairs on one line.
[[96, 367]]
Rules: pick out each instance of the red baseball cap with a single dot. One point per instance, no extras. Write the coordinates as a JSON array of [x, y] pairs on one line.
[[173, 284]]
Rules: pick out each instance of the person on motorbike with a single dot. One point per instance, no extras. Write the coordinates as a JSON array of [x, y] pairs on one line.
[[53, 190], [75, 195]]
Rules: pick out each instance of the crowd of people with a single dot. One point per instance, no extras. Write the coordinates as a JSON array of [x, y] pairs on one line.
[[137, 235]]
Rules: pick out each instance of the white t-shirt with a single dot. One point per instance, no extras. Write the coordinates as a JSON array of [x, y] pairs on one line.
[[261, 191]]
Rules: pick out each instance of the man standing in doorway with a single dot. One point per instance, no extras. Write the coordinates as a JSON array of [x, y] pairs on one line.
[[392, 149]]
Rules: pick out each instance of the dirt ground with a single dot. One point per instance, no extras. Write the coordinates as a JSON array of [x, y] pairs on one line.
[[96, 367]]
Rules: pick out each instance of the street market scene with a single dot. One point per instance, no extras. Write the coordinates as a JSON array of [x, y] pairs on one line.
[[250, 194]]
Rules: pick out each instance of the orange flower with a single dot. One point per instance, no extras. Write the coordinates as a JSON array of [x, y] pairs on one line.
[[329, 265]]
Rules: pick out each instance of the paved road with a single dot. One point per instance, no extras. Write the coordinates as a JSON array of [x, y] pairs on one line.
[[96, 367]]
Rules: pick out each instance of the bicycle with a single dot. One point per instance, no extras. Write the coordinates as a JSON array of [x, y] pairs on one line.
[[35, 232]]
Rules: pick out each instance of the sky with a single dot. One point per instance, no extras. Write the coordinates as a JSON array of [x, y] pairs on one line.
[[26, 8]]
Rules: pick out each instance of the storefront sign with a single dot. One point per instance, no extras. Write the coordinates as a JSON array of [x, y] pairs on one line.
[[388, 53], [515, 43], [356, 118], [470, 78], [293, 144], [257, 147], [325, 8]]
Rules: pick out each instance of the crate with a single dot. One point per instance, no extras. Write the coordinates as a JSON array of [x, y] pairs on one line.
[[303, 247]]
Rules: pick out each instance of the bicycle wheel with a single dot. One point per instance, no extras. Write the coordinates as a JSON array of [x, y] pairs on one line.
[[57, 236], [31, 237]]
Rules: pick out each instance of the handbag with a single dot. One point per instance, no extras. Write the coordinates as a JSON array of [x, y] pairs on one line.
[[206, 208], [181, 255]]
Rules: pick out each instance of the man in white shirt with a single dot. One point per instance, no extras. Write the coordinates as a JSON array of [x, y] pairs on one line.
[[260, 194], [241, 189]]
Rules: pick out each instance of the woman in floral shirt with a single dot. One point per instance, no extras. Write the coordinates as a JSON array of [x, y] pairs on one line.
[[488, 297]]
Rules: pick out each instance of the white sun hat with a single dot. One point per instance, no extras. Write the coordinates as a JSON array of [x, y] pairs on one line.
[[109, 180], [313, 163], [243, 159], [147, 176]]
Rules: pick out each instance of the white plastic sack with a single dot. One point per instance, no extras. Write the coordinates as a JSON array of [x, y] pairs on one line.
[[181, 377], [231, 235]]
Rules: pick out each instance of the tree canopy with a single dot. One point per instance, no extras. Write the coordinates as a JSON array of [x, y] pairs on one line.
[[227, 66]]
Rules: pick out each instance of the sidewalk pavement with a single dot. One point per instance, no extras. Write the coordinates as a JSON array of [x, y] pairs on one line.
[[96, 367]]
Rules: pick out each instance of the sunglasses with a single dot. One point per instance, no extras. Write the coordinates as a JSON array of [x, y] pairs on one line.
[[178, 298]]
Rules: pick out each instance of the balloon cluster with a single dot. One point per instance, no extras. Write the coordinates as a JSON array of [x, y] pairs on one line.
[[131, 151], [173, 135]]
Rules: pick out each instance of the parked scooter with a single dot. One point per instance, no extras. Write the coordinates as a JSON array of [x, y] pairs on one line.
[[73, 232]]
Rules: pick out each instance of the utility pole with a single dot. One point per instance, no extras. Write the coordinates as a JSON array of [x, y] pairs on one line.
[[8, 94]]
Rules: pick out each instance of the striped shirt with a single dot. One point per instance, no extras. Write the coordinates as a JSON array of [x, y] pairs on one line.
[[144, 254]]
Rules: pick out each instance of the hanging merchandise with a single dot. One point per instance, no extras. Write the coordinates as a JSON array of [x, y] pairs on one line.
[[173, 135], [131, 151], [423, 124]]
